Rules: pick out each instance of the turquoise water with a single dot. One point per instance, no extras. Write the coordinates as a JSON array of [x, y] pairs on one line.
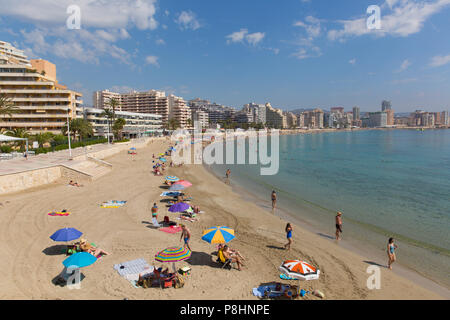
[[387, 183]]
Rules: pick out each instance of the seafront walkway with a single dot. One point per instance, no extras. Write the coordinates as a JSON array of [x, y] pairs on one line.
[[21, 164]]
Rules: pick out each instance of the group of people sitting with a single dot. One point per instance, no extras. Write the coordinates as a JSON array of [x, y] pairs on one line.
[[226, 254], [158, 169], [85, 246], [156, 278]]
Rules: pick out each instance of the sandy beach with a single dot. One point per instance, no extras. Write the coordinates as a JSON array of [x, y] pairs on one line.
[[31, 260]]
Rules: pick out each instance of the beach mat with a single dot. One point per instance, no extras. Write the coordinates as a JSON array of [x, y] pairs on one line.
[[58, 214], [171, 229], [130, 270], [170, 194]]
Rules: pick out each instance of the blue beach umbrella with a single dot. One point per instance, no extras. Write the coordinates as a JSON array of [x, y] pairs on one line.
[[163, 159], [133, 148], [79, 260], [179, 207], [176, 187], [66, 234], [218, 235]]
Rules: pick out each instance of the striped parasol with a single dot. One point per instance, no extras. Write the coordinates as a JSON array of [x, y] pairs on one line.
[[172, 178], [299, 270], [173, 254], [218, 235]]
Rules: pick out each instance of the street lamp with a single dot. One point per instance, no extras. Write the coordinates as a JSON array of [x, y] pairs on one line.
[[68, 134]]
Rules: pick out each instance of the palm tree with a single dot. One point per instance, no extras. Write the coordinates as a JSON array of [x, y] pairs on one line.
[[43, 138], [113, 104], [109, 115], [173, 124], [19, 133], [7, 107], [118, 127]]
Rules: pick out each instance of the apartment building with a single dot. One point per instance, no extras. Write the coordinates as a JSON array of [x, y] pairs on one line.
[[44, 105]]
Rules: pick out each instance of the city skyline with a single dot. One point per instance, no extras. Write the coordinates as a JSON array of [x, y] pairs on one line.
[[303, 54]]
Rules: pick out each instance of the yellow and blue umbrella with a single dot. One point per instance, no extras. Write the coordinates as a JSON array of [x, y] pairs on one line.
[[79, 260], [218, 235], [172, 178]]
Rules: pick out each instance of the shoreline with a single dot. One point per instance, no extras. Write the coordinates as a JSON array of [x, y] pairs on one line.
[[127, 234], [288, 216]]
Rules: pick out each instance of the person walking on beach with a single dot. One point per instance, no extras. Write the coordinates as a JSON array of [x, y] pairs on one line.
[[227, 174], [338, 225], [288, 236], [186, 236], [274, 200], [391, 252]]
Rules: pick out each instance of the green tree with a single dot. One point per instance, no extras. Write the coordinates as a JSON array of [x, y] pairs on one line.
[[113, 104], [173, 124], [43, 138], [118, 127], [80, 128], [109, 115], [7, 107], [19, 133]]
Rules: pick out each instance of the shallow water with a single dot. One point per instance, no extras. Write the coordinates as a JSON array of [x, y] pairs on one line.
[[387, 182]]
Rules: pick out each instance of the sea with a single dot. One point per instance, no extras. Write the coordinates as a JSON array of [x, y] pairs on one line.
[[387, 183]]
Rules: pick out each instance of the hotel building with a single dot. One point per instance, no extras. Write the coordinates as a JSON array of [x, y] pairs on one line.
[[44, 105], [137, 124]]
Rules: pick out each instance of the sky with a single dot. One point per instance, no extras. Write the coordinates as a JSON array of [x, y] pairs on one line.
[[291, 53]]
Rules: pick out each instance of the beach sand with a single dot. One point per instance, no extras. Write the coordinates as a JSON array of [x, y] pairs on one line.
[[31, 260]]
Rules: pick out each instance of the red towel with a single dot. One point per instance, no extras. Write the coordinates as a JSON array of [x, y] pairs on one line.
[[171, 229]]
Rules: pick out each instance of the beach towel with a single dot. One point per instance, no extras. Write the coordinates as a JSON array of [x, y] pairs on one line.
[[130, 270], [259, 292], [170, 194], [171, 229], [59, 214], [285, 277]]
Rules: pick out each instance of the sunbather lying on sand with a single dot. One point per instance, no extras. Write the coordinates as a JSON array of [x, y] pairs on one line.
[[75, 184], [89, 248]]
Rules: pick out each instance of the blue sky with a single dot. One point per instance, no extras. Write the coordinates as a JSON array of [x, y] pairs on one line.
[[292, 53]]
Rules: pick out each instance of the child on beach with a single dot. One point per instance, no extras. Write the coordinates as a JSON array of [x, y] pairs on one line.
[[288, 236], [338, 225], [155, 211], [186, 235], [391, 252]]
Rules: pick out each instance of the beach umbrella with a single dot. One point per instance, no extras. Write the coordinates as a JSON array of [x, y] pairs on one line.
[[172, 178], [79, 260], [173, 254], [184, 183], [133, 148], [162, 154], [299, 270], [179, 207], [177, 187], [218, 235], [163, 159], [66, 234]]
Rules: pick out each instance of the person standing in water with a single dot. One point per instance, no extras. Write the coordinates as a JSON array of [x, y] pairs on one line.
[[274, 200], [227, 174], [391, 252], [338, 226], [288, 236]]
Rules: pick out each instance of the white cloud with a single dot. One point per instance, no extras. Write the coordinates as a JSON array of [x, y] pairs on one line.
[[188, 20], [255, 38], [160, 42], [405, 65], [94, 13], [352, 61], [152, 60], [438, 61], [404, 17], [243, 36], [312, 26], [304, 53]]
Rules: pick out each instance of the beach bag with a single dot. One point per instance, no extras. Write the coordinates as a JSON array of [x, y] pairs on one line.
[[178, 283]]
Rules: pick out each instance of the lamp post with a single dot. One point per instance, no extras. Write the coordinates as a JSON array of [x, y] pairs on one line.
[[68, 134]]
